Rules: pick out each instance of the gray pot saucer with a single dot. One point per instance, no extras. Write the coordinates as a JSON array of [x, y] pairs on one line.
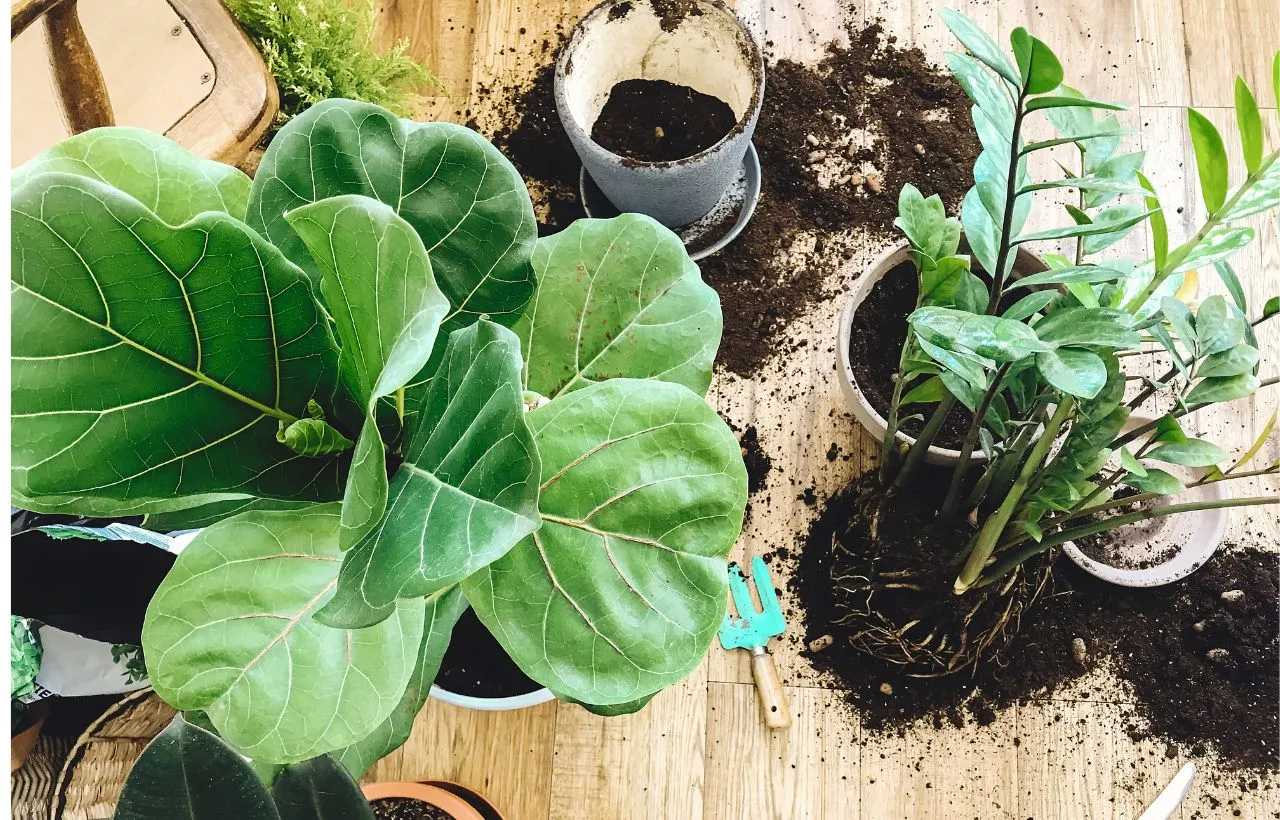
[[704, 236]]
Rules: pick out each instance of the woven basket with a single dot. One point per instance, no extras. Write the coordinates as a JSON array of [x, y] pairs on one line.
[[95, 771]]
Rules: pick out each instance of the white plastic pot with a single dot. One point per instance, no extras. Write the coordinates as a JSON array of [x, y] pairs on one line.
[[1199, 533], [875, 424], [493, 704]]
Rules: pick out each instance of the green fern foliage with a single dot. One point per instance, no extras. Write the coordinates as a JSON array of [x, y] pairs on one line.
[[319, 49]]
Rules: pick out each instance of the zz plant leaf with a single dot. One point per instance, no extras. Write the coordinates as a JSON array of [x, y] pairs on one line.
[[621, 589], [200, 409], [617, 298], [466, 492], [230, 632]]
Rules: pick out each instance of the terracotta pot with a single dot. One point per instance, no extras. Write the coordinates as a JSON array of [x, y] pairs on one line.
[[1025, 263], [21, 744], [449, 802], [1196, 535]]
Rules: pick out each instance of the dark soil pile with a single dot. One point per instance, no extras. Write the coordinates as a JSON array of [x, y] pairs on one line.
[[878, 332], [476, 664], [658, 121], [404, 808], [836, 140], [1201, 655], [757, 460]]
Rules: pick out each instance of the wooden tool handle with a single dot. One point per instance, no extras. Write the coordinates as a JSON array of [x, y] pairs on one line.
[[773, 701]]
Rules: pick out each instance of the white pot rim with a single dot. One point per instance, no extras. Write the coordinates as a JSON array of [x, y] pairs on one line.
[[534, 698]]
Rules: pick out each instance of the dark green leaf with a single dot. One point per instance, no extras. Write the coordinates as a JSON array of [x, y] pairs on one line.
[[1272, 306], [620, 591], [319, 789], [1218, 327], [1211, 159], [1193, 452], [187, 773], [1250, 124], [1071, 231], [617, 297], [1073, 370], [442, 613], [939, 282], [979, 44], [966, 365], [930, 390], [1155, 481], [1039, 68], [1088, 326], [1236, 361], [1062, 101], [628, 708], [230, 632], [1090, 274], [1168, 430], [468, 486], [1232, 283], [1217, 390], [1029, 305], [133, 385], [990, 337]]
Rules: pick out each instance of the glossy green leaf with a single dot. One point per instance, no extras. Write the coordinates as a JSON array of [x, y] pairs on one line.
[[378, 286], [940, 283], [1089, 326], [161, 175], [1090, 274], [1131, 464], [465, 200], [152, 362], [1154, 481], [1064, 101], [1038, 67], [314, 438], [617, 297], [466, 492], [930, 390], [1159, 225], [1071, 231], [187, 773], [1235, 361], [1181, 320], [1101, 184], [991, 102], [1041, 145], [1218, 327], [1218, 244], [990, 337], [926, 224], [1211, 159], [1250, 124], [1073, 370], [1118, 175], [203, 515], [442, 612], [1122, 212], [1029, 305], [980, 231], [1262, 195], [1216, 390], [1232, 283], [614, 710], [230, 632], [967, 366], [621, 590], [1168, 429], [979, 44], [1193, 452], [1272, 306], [1166, 341], [319, 789]]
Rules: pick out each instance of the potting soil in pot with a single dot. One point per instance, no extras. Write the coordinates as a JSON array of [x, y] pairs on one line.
[[836, 140], [405, 808], [475, 664], [659, 121], [878, 331]]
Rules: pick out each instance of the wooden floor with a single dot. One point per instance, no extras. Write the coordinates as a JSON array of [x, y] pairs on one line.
[[699, 750]]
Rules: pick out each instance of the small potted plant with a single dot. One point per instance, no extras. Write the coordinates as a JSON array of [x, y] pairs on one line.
[[1036, 361], [386, 403]]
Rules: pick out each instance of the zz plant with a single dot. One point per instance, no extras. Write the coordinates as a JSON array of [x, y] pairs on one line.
[[388, 401], [1037, 359]]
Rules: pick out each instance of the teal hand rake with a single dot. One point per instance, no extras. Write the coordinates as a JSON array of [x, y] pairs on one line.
[[752, 630]]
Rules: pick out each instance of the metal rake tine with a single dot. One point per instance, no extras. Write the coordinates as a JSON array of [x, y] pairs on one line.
[[764, 588], [741, 595]]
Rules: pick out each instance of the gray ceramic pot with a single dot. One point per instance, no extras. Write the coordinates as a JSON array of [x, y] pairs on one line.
[[709, 50]]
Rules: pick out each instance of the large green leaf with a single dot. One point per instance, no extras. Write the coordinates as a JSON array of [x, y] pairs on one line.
[[619, 592], [1263, 195], [378, 287], [1250, 124], [187, 773], [1211, 159], [443, 610], [152, 362], [1038, 66], [465, 200], [1215, 389], [1219, 327], [617, 298], [1001, 340], [1089, 326], [318, 789], [1073, 370], [1219, 243], [1234, 361], [926, 224], [466, 492], [1194, 452], [979, 44], [230, 632], [160, 174]]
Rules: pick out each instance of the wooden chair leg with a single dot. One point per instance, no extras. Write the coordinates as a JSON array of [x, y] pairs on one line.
[[81, 88]]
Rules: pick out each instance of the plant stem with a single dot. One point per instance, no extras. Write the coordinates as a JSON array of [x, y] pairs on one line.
[[1177, 412], [1118, 521], [994, 526], [1010, 197], [891, 424], [923, 442], [970, 439]]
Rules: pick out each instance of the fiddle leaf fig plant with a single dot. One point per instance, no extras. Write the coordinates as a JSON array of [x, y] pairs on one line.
[[385, 401], [1037, 359]]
